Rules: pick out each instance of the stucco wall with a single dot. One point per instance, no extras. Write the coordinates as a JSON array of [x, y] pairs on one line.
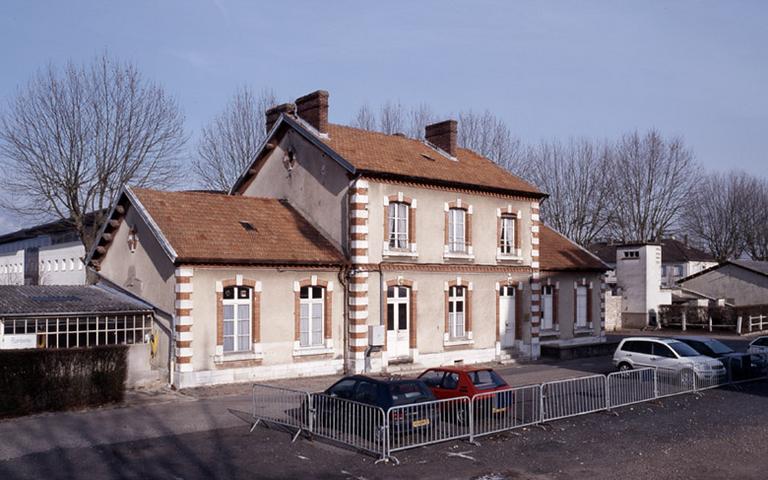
[[735, 284], [277, 314], [146, 272], [316, 186], [566, 308], [430, 223]]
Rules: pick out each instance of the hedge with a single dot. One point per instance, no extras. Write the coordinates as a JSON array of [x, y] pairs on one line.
[[37, 380]]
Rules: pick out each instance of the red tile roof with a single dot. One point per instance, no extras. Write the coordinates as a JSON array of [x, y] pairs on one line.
[[379, 153], [557, 253], [218, 228]]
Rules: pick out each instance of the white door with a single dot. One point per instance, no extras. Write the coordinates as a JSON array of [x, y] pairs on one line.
[[507, 316], [398, 321]]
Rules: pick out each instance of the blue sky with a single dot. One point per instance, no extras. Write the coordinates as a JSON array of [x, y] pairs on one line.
[[550, 69]]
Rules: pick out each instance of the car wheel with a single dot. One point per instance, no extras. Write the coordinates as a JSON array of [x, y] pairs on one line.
[[624, 367]]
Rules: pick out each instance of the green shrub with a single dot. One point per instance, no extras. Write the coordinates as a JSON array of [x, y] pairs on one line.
[[38, 380]]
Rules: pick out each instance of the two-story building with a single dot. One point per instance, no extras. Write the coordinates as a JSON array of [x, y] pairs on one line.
[[343, 249]]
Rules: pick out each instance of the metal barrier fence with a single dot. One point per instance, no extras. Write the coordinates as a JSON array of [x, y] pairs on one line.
[[576, 396], [358, 425], [630, 386], [370, 429], [420, 424], [282, 406], [495, 412]]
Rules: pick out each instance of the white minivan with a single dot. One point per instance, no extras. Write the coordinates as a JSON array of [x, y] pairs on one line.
[[668, 354]]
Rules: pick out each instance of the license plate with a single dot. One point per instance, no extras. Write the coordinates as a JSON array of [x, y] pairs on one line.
[[420, 423], [499, 410]]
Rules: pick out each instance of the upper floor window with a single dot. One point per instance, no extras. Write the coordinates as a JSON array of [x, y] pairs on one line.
[[237, 319], [312, 316], [457, 230], [507, 235], [398, 225]]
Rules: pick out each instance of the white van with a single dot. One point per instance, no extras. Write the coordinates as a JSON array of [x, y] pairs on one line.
[[668, 354]]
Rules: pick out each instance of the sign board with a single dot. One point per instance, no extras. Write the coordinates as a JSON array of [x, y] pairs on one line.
[[17, 341]]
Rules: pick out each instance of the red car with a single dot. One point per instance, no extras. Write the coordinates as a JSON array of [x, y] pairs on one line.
[[451, 382]]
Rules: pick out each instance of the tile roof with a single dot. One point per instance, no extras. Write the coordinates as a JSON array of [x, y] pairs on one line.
[[557, 253], [379, 153], [218, 228], [18, 300]]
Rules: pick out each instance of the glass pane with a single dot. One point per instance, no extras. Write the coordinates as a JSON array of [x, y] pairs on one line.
[[229, 327], [243, 312], [390, 317], [403, 292], [243, 328], [229, 293], [243, 293], [304, 338], [304, 292], [229, 312], [402, 316], [459, 306], [391, 292], [317, 292], [317, 311], [229, 344], [243, 343]]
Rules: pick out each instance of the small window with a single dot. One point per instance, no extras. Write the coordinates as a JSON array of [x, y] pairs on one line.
[[398, 225], [456, 312], [451, 381], [631, 254], [507, 235], [547, 307], [237, 319], [662, 350], [581, 306], [312, 314]]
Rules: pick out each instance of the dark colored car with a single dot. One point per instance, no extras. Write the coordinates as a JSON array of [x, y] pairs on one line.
[[382, 393], [739, 364]]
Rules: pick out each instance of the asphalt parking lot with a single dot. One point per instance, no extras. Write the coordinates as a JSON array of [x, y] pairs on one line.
[[720, 434]]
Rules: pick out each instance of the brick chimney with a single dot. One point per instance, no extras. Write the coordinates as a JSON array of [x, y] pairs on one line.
[[313, 109], [444, 135], [273, 113]]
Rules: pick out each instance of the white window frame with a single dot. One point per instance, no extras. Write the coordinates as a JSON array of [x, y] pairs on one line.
[[306, 328], [456, 244], [457, 321], [396, 301], [547, 311], [398, 212], [235, 303], [507, 241], [582, 296]]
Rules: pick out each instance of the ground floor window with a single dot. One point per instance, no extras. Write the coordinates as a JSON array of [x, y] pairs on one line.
[[581, 306], [457, 311], [312, 316], [85, 331], [547, 307], [237, 319]]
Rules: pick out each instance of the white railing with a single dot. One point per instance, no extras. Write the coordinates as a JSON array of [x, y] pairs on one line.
[[576, 396], [495, 412], [425, 423], [370, 429], [630, 386]]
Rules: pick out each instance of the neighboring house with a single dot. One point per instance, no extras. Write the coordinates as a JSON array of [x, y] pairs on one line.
[[48, 254], [35, 316], [343, 249], [736, 283], [643, 276]]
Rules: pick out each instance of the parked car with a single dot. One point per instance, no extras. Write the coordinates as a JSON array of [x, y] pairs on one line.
[[669, 354], [740, 364], [382, 393], [455, 382], [758, 345]]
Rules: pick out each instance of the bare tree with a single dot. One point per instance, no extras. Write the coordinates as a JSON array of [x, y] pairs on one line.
[[755, 221], [231, 141], [392, 118], [716, 213], [490, 136], [418, 119], [365, 119], [574, 176], [72, 137], [652, 177]]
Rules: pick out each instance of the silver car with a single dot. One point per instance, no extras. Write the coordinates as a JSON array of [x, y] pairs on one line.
[[667, 354]]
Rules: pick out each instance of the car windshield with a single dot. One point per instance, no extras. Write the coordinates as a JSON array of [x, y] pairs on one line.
[[683, 350], [486, 379], [718, 347], [408, 392]]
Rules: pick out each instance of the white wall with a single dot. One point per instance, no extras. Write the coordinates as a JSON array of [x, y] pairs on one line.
[[12, 268], [640, 281], [61, 264]]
